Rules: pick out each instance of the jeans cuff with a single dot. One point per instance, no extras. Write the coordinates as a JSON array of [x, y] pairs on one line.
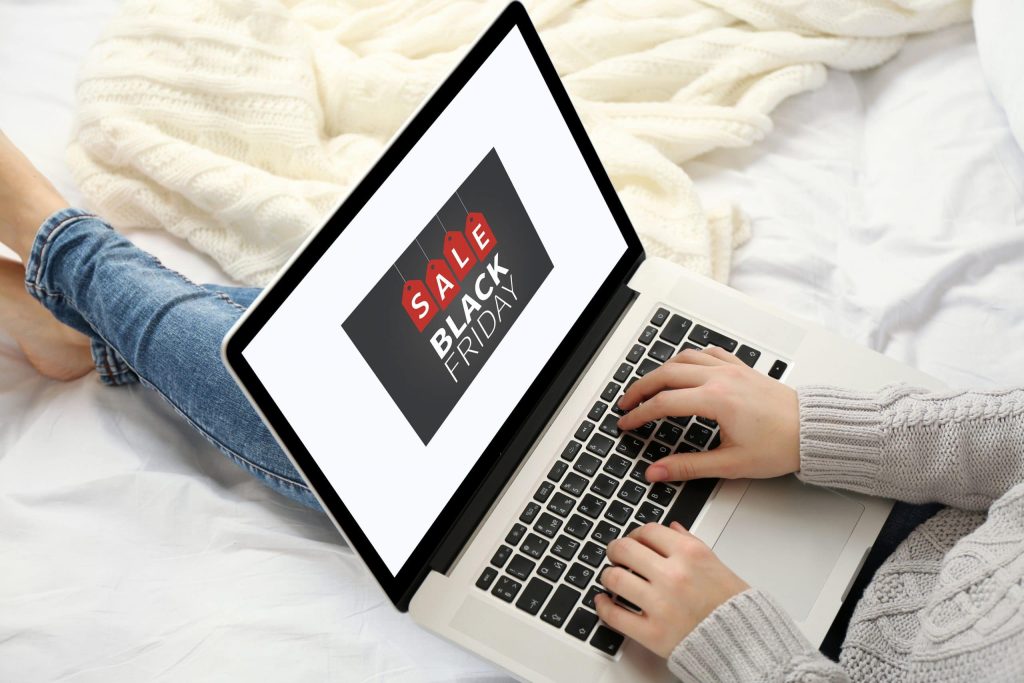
[[112, 369], [36, 265]]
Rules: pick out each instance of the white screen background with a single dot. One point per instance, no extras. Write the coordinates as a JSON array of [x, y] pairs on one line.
[[392, 484]]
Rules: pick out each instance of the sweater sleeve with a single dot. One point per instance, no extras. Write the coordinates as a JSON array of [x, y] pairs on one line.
[[964, 449], [750, 638]]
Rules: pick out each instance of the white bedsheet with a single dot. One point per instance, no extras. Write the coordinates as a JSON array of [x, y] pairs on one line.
[[886, 205]]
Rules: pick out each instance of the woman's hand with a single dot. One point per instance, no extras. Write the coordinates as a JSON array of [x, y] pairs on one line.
[[677, 583], [759, 416]]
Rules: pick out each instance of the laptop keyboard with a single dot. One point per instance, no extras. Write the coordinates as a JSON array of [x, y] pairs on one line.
[[550, 562]]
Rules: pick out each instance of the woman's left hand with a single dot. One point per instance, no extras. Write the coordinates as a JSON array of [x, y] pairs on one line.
[[677, 582]]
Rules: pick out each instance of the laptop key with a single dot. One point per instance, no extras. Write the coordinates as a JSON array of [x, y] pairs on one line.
[[584, 431], [617, 466], [777, 370], [610, 425], [610, 391], [681, 420], [657, 451], [556, 612], [684, 447], [501, 556], [703, 335], [547, 525], [676, 329], [571, 450], [575, 484], [515, 535], [591, 506], [592, 553], [748, 355], [604, 486], [619, 512], [707, 422], [560, 504], [605, 533], [661, 352], [520, 567], [565, 547], [639, 470], [661, 493], [716, 441], [579, 575], [633, 526], [647, 365], [629, 446], [687, 346], [649, 512], [632, 492], [587, 464], [534, 546], [669, 433], [698, 434], [600, 445], [659, 317], [647, 336], [597, 410], [627, 604], [484, 582], [551, 569], [533, 597], [635, 354], [616, 409], [578, 526], [607, 640], [506, 588], [623, 373], [645, 430], [588, 599], [581, 624], [529, 513], [557, 470], [543, 491]]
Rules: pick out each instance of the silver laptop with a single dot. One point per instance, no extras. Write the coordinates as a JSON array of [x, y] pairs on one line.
[[442, 362]]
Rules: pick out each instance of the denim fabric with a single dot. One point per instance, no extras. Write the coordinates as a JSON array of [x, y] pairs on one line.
[[151, 325]]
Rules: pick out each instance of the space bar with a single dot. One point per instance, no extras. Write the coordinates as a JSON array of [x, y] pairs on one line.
[[690, 502]]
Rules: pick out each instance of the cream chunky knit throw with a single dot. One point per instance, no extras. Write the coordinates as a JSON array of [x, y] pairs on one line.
[[238, 124]]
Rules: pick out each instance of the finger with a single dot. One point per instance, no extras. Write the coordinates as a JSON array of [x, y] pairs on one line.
[[619, 618], [634, 588], [723, 355], [695, 357], [722, 462], [669, 376], [667, 404], [657, 537], [631, 553]]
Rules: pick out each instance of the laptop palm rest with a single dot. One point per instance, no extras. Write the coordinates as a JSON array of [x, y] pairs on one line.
[[785, 538]]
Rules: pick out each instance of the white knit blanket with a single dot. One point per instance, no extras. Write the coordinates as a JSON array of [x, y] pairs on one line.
[[238, 124]]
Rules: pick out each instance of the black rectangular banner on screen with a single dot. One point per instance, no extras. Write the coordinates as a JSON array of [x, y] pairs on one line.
[[435, 317]]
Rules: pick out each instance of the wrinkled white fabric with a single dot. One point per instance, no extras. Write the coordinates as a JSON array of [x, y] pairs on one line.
[[237, 124], [999, 25]]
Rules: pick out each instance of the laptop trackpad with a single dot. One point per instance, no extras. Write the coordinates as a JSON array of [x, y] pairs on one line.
[[785, 537]]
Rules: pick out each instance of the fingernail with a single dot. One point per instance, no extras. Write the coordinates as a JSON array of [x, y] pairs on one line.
[[657, 473]]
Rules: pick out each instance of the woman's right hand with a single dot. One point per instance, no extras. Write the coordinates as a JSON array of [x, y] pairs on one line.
[[759, 417]]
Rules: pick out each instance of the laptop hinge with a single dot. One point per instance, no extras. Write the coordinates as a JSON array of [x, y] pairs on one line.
[[464, 527]]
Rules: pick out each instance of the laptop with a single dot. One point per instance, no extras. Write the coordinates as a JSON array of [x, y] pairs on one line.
[[442, 362]]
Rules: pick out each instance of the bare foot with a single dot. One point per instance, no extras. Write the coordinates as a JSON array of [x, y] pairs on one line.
[[26, 199], [54, 349]]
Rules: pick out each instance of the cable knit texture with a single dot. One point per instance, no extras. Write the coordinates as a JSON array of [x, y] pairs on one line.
[[948, 605], [238, 124]]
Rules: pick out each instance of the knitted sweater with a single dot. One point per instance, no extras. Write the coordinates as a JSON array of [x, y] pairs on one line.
[[238, 124], [948, 605]]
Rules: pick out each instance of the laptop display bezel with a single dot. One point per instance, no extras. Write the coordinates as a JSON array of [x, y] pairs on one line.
[[401, 586]]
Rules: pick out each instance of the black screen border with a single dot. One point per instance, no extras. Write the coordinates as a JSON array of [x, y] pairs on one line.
[[400, 587]]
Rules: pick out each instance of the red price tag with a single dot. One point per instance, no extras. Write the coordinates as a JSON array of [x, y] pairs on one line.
[[459, 254], [417, 303], [441, 283], [479, 235]]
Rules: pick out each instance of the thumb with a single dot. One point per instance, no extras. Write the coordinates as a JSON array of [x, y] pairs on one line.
[[721, 462]]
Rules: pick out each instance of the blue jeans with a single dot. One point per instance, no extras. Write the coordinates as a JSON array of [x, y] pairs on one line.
[[151, 325]]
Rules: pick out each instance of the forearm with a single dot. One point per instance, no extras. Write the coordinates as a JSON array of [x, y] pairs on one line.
[[964, 449], [750, 638]]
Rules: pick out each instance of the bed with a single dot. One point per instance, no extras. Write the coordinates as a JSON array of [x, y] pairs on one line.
[[887, 205]]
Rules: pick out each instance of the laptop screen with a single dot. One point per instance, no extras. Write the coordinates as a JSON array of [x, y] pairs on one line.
[[407, 345]]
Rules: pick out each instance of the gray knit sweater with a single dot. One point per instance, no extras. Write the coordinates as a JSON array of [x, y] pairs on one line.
[[948, 605]]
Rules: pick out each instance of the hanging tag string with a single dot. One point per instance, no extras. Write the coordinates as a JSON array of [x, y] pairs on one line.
[[421, 249], [442, 223], [461, 202]]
